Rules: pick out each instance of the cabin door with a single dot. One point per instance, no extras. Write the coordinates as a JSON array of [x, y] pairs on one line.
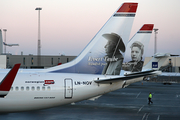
[[68, 83]]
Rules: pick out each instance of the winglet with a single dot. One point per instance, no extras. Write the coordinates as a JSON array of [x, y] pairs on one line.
[[8, 80]]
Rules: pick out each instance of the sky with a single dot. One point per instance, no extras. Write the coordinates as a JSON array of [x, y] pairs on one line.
[[67, 26]]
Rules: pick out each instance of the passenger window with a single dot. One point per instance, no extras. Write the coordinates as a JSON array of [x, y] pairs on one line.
[[43, 88], [17, 88], [38, 88], [48, 88], [27, 88], [33, 88], [22, 88]]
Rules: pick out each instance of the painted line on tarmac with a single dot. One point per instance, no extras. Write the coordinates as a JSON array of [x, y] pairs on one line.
[[138, 95], [140, 109], [145, 116], [158, 117]]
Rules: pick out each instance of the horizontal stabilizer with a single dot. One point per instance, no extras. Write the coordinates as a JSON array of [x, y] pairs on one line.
[[159, 55], [128, 76], [173, 55]]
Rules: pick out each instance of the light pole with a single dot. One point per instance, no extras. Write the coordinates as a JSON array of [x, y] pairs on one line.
[[155, 42], [5, 39], [39, 41]]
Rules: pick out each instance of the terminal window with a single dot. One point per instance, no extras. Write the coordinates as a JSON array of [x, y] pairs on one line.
[[51, 61], [24, 61], [32, 61]]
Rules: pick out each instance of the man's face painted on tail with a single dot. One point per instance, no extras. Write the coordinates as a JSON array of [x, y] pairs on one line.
[[109, 47]]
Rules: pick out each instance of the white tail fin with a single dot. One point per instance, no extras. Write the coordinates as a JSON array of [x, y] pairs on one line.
[[137, 48], [107, 46], [156, 62]]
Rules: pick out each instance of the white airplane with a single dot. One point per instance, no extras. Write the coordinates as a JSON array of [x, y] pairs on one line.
[[10, 45], [94, 72]]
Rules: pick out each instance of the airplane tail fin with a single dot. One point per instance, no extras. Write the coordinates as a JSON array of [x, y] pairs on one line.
[[156, 62], [108, 45], [6, 83], [136, 49]]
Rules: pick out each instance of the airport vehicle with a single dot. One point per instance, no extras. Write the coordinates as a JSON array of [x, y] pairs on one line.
[[84, 77], [10, 45]]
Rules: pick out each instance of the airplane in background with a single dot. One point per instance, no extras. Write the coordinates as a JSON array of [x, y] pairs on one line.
[[10, 45], [96, 71]]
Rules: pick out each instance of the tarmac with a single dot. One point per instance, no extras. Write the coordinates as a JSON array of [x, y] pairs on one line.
[[130, 103]]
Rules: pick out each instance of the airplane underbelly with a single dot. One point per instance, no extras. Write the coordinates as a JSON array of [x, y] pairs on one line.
[[25, 101]]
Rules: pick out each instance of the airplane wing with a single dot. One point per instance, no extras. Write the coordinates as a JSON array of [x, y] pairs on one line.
[[128, 76], [4, 43], [6, 83], [14, 44], [10, 45]]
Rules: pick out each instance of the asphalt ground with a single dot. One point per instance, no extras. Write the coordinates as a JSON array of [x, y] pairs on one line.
[[130, 103]]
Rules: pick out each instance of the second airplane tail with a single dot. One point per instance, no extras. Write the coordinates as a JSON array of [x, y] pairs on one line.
[[137, 49]]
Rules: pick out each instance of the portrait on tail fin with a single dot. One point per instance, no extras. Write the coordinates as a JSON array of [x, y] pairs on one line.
[[136, 49], [98, 57], [136, 64], [113, 57]]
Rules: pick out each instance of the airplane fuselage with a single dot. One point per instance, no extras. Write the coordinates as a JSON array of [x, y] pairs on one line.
[[31, 91]]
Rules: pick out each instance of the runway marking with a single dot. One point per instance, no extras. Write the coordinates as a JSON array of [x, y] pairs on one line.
[[158, 117], [140, 109], [177, 96], [145, 116], [138, 95]]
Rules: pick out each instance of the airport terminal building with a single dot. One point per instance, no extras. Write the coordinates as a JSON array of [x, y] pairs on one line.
[[31, 61], [172, 64]]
